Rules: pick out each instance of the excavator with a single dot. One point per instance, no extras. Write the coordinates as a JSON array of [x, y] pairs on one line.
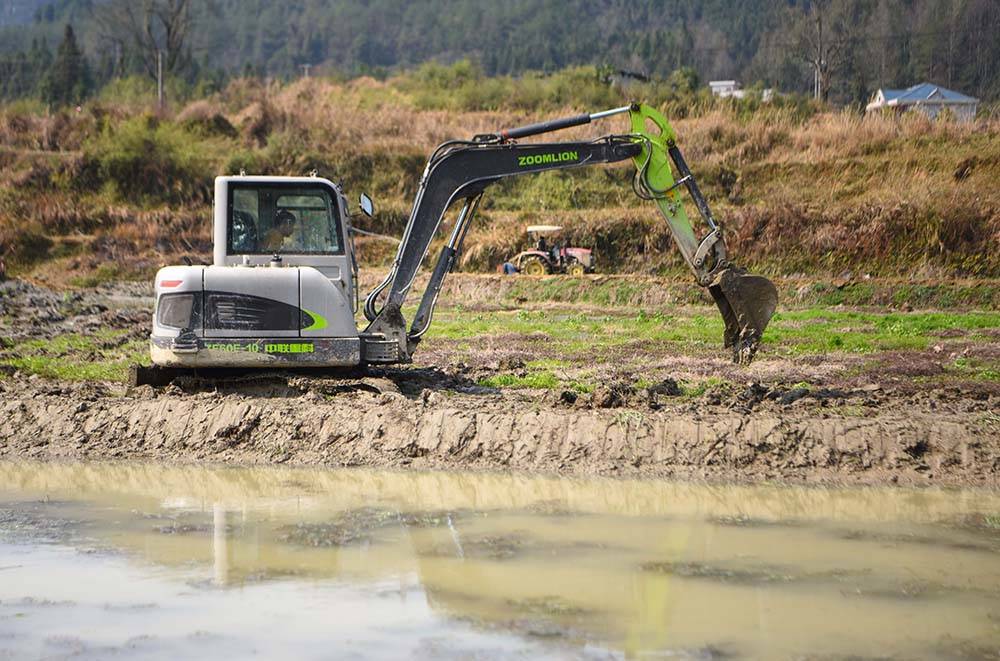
[[282, 289]]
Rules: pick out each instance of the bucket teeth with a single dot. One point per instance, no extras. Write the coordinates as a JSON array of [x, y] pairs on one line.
[[747, 303]]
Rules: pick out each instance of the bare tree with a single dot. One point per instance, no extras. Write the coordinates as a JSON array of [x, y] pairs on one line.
[[150, 28], [882, 22], [823, 39], [955, 10]]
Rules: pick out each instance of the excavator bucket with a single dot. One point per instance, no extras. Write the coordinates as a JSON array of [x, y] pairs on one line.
[[747, 303]]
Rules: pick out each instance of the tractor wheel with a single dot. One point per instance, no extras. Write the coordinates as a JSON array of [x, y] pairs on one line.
[[576, 269], [533, 266]]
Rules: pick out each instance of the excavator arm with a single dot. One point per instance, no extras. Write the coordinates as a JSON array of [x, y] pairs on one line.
[[461, 170]]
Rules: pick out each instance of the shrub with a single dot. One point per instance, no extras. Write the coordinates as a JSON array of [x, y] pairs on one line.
[[128, 91], [258, 120], [21, 246], [204, 118], [146, 160]]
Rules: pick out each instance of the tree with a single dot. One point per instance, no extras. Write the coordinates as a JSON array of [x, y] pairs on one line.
[[152, 29], [68, 79], [824, 34], [684, 81], [841, 49]]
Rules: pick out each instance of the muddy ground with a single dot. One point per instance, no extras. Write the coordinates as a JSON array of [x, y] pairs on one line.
[[834, 418]]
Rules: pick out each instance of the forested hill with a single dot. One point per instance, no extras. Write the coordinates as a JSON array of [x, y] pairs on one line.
[[865, 44]]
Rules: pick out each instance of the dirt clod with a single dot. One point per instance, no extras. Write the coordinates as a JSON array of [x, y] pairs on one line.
[[667, 387], [793, 396], [613, 395]]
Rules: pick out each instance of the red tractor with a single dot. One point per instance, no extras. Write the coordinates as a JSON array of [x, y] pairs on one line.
[[548, 258]]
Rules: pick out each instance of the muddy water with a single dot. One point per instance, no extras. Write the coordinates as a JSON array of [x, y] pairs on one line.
[[164, 562]]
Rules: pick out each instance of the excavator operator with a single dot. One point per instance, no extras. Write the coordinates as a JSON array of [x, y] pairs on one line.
[[284, 225]]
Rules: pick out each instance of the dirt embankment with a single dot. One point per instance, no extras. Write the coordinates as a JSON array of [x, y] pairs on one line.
[[422, 419], [822, 419]]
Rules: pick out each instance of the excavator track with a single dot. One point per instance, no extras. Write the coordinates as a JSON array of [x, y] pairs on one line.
[[160, 377]]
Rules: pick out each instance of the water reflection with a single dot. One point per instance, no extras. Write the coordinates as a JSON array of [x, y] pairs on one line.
[[220, 548], [498, 563]]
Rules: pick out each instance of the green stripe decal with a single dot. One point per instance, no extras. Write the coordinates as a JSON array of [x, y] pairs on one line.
[[318, 321]]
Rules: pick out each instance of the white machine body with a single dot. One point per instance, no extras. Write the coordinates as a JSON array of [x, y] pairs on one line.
[[281, 290]]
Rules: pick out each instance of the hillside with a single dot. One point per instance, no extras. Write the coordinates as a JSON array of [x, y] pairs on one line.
[[863, 45], [19, 12], [116, 190]]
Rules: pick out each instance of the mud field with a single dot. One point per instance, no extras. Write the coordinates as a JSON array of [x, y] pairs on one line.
[[513, 382]]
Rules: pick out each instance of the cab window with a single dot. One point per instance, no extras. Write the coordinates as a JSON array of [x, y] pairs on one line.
[[268, 219]]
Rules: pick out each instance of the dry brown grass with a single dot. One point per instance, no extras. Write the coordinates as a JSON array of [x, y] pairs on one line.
[[832, 192]]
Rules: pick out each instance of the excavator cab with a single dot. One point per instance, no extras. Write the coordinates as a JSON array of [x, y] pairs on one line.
[[281, 289]]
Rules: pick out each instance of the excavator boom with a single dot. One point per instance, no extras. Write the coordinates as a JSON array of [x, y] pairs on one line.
[[461, 170]]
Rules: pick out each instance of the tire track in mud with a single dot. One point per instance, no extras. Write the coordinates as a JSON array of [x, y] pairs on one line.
[[389, 430]]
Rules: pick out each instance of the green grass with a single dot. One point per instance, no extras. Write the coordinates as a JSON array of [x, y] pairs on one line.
[[103, 274], [547, 364], [816, 330], [572, 332], [76, 357], [565, 341], [795, 333], [975, 369], [542, 375], [699, 388], [541, 380]]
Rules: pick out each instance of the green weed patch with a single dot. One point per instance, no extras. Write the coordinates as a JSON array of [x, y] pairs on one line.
[[75, 357], [541, 380], [794, 333]]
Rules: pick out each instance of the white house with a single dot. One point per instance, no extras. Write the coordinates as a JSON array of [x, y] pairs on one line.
[[926, 98], [731, 89], [726, 88]]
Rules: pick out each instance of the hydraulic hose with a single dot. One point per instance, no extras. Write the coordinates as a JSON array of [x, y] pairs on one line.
[[558, 124]]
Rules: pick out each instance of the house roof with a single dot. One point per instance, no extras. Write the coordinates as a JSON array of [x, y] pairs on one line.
[[923, 93]]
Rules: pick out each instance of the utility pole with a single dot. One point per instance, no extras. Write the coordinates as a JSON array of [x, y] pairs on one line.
[[159, 79], [818, 82], [305, 69]]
